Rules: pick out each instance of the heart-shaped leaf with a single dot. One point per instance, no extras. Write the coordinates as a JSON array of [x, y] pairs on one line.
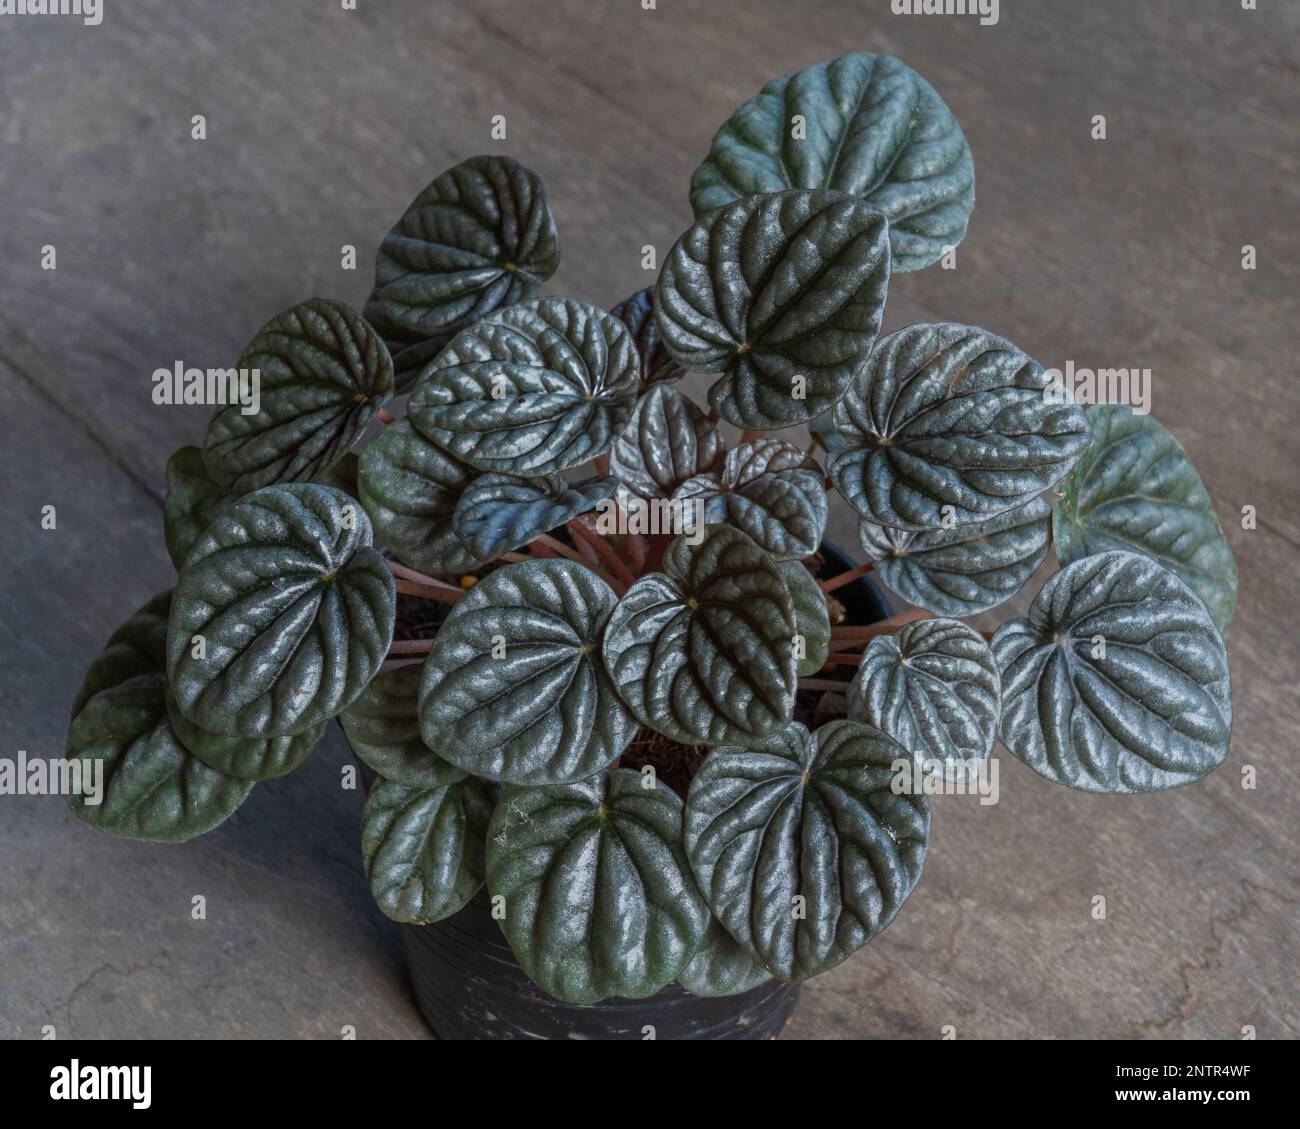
[[324, 373], [193, 499], [801, 847], [598, 897], [282, 614], [811, 616], [152, 787], [383, 730], [950, 421], [668, 441], [1136, 489], [244, 758], [410, 488], [139, 646], [966, 569], [535, 389], [865, 124], [514, 689], [638, 314], [479, 237], [423, 847], [1118, 679], [771, 491], [783, 295], [702, 651], [934, 688], [722, 966], [498, 513]]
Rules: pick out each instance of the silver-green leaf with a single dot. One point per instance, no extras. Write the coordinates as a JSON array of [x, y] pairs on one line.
[[783, 296], [244, 758], [668, 441], [702, 652], [193, 499], [966, 569], [514, 689], [812, 620], [638, 314], [383, 730], [282, 615], [410, 488], [498, 513], [153, 788], [872, 127], [481, 236], [933, 687], [1136, 489], [801, 847], [1117, 681], [535, 389], [951, 425], [769, 490], [423, 847], [599, 900], [324, 373], [722, 966]]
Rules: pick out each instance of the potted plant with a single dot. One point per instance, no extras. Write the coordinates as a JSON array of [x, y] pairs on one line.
[[640, 760]]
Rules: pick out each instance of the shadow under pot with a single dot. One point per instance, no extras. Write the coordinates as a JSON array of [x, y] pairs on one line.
[[468, 984]]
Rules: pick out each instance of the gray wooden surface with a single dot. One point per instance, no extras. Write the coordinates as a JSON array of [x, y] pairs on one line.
[[322, 124]]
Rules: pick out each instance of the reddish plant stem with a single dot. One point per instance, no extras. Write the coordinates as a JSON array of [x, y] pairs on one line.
[[541, 551], [412, 583], [558, 548], [602, 463], [410, 647], [843, 659], [385, 418], [515, 558], [604, 550], [637, 546], [846, 577], [751, 434]]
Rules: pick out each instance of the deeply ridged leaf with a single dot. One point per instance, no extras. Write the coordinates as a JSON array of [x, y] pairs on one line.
[[244, 758], [497, 513], [771, 491], [783, 296], [154, 788], [934, 688], [535, 389], [811, 616], [964, 570], [139, 646], [1118, 679], [193, 499], [950, 419], [514, 688], [702, 651], [722, 966], [599, 900], [810, 817], [872, 127], [1136, 489], [383, 730], [410, 488], [423, 847], [295, 610], [481, 236], [668, 441], [324, 374], [638, 314]]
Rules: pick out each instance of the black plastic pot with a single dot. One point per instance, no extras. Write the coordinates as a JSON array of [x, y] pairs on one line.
[[468, 984]]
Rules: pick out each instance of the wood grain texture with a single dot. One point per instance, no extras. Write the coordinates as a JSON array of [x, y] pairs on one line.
[[322, 124]]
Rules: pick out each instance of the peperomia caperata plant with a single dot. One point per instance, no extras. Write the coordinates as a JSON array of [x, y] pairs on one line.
[[628, 732]]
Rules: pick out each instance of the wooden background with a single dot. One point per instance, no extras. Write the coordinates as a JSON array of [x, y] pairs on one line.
[[322, 124]]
